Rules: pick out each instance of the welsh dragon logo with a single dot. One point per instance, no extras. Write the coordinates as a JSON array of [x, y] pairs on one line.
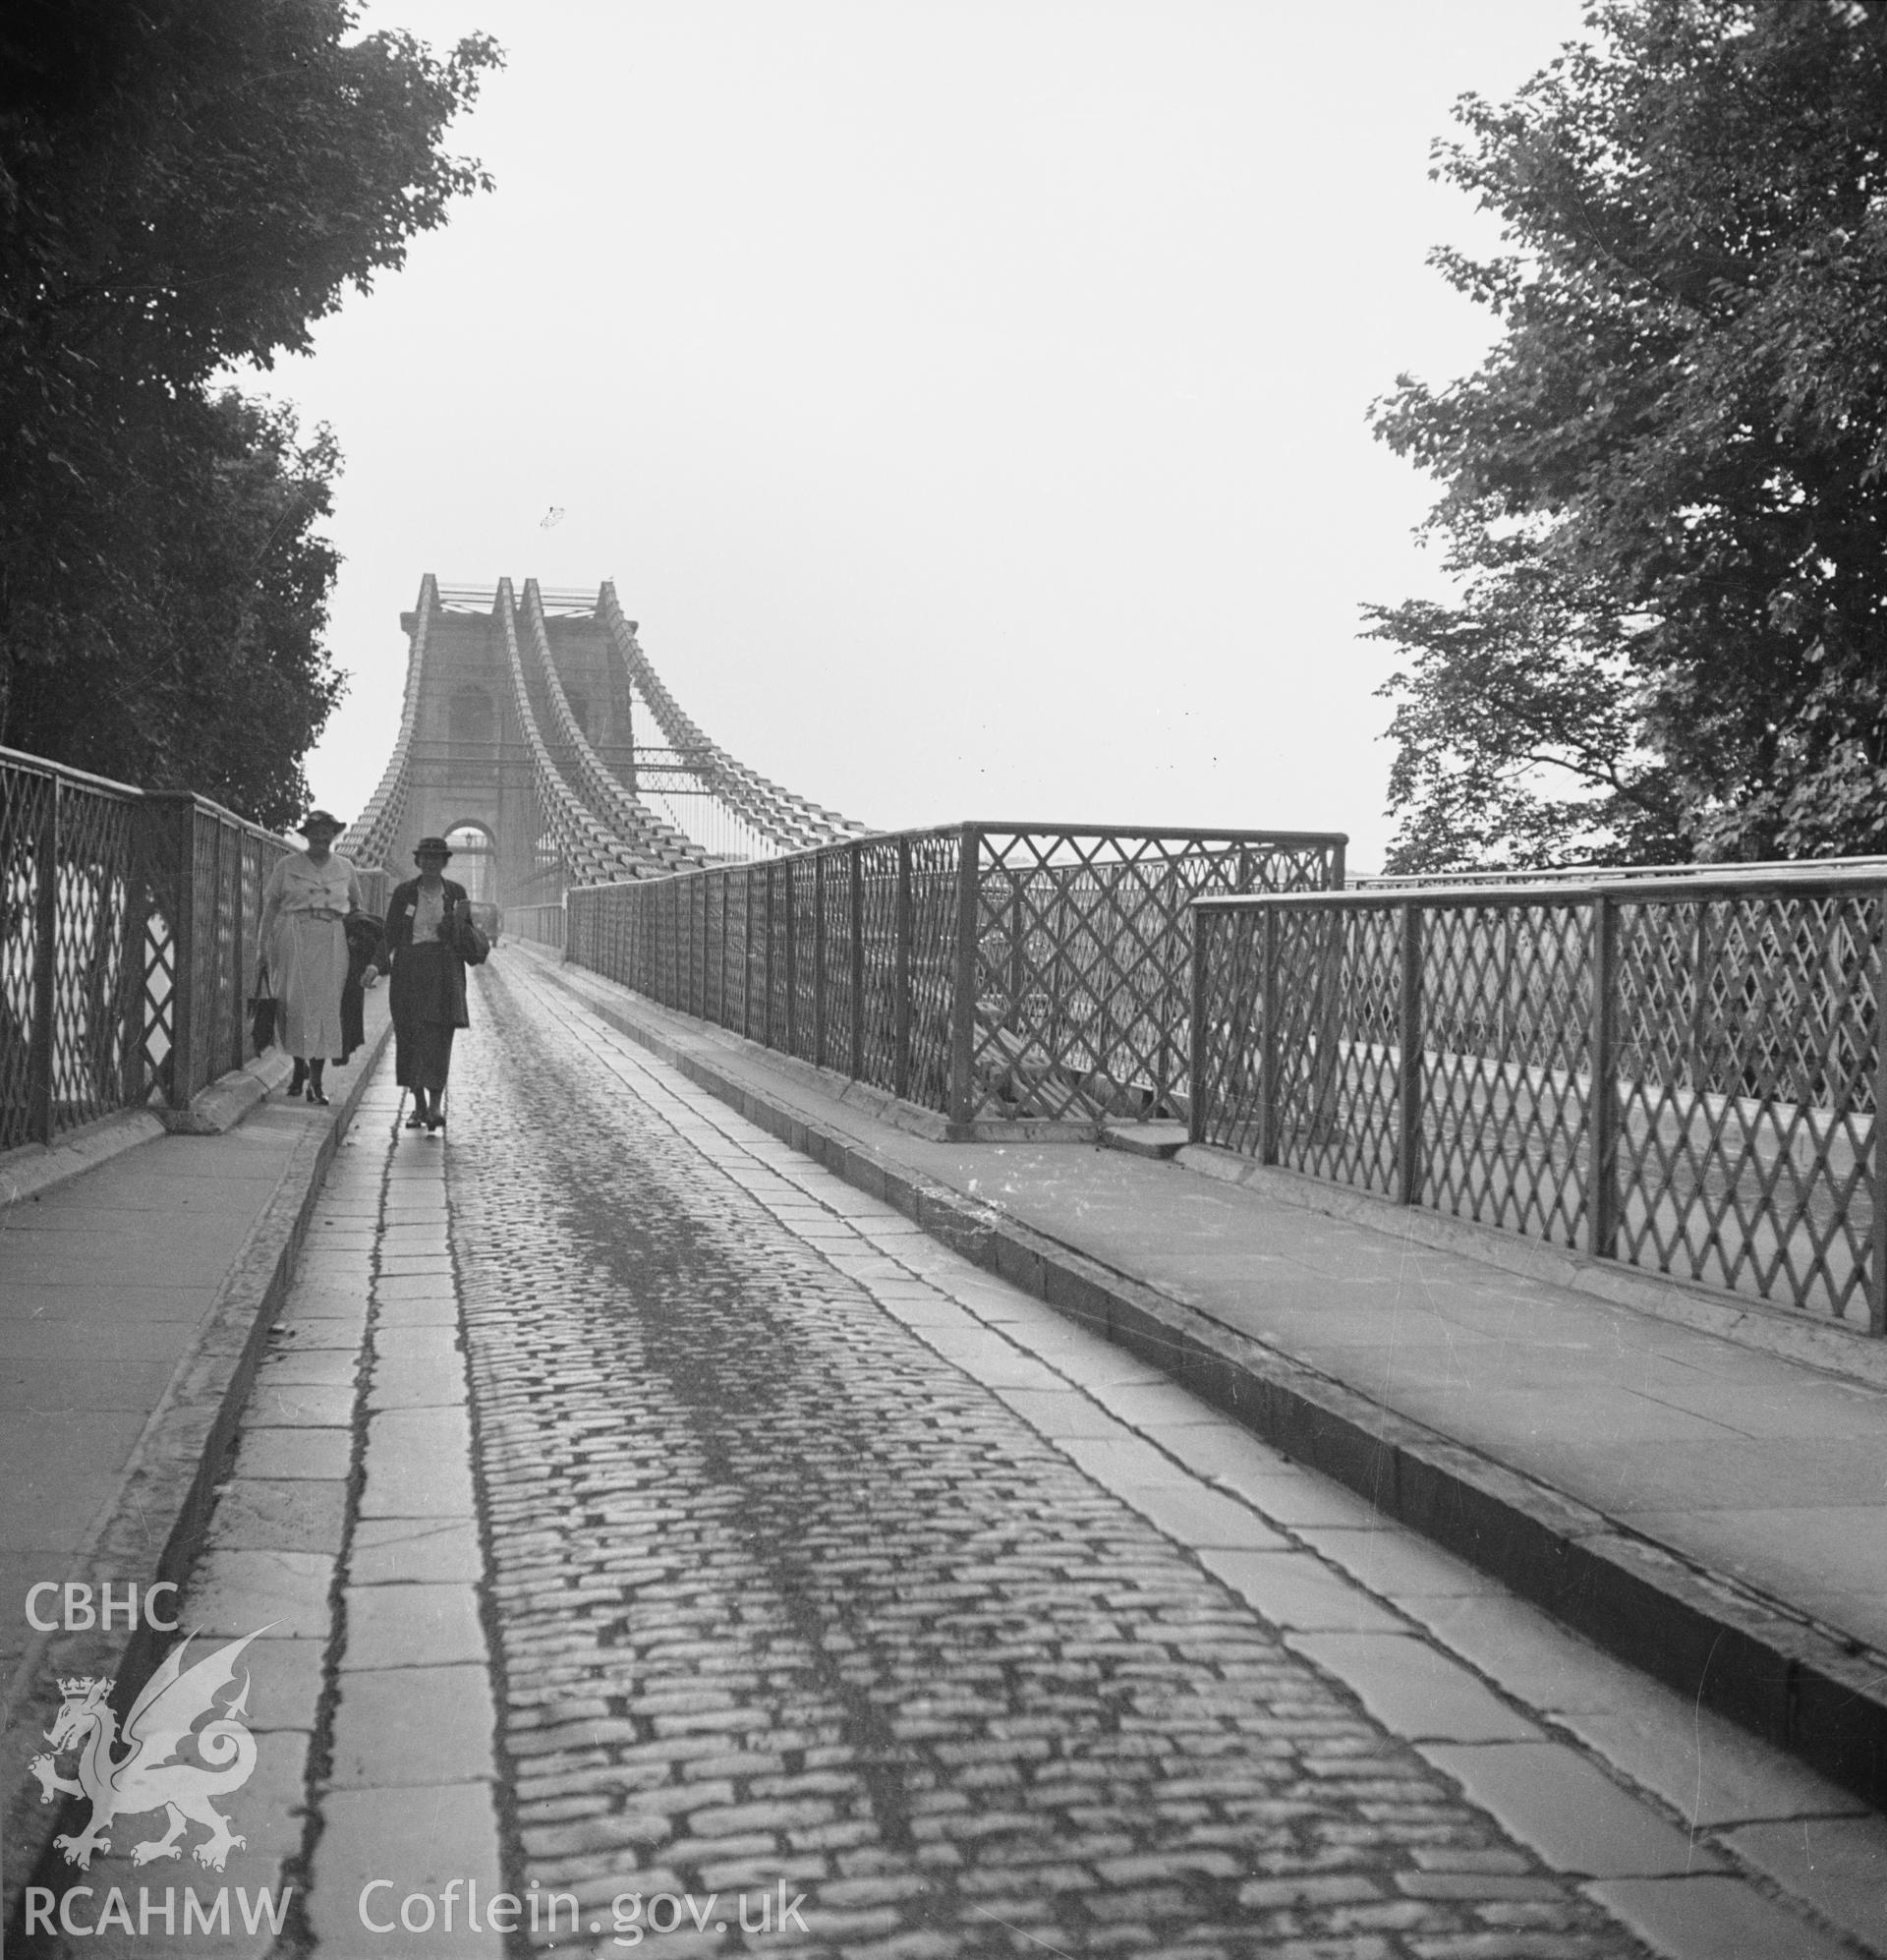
[[154, 1775]]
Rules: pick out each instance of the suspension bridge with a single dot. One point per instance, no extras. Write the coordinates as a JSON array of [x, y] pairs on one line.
[[1669, 1069], [1628, 1079], [537, 736]]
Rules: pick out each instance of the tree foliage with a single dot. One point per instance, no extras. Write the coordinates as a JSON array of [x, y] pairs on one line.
[[1664, 489], [186, 186]]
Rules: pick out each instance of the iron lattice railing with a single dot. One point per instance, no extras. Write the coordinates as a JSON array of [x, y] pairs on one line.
[[127, 920], [990, 972], [1442, 1048]]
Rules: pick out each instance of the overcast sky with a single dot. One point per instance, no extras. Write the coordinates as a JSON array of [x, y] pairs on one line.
[[967, 396]]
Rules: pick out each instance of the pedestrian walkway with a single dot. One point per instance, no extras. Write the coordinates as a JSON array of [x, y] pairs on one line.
[[650, 1537], [130, 1295]]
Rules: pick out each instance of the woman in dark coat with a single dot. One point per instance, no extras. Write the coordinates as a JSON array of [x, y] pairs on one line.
[[431, 939]]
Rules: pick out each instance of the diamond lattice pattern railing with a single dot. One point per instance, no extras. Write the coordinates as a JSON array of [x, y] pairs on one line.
[[1061, 995], [122, 959], [1084, 957], [1681, 1076]]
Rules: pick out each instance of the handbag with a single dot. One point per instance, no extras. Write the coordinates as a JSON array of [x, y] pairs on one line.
[[471, 945], [262, 1013]]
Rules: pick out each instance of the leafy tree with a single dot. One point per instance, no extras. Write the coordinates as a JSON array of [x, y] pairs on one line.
[[185, 185], [1664, 489], [195, 660]]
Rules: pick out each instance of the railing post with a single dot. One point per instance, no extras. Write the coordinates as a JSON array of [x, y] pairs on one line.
[[1326, 1020], [1877, 1247], [1705, 965], [723, 880], [45, 973], [901, 976], [1018, 961], [818, 960], [212, 1034], [239, 954], [963, 1010], [766, 1004], [792, 952], [855, 854], [1409, 1083], [1196, 1027], [1602, 1100], [747, 953], [181, 810], [1270, 1103]]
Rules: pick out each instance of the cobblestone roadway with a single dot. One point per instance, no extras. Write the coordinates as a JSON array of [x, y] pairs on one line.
[[782, 1593]]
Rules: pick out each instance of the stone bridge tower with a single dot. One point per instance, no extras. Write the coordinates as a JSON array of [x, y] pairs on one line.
[[470, 764], [536, 736]]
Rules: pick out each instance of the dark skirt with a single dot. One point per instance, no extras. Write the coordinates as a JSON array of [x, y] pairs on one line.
[[423, 1056], [424, 1021]]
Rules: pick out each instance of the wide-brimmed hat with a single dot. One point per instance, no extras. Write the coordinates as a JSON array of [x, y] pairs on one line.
[[316, 820], [437, 846]]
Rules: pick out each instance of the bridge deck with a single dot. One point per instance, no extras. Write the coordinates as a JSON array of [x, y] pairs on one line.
[[728, 1529]]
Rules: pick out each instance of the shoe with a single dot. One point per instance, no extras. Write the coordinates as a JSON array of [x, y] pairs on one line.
[[315, 1096], [298, 1081], [416, 1121], [435, 1123]]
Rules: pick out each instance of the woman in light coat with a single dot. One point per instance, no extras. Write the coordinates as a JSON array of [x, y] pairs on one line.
[[305, 949]]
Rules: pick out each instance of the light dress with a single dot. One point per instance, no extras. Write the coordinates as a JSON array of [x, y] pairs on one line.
[[306, 950]]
